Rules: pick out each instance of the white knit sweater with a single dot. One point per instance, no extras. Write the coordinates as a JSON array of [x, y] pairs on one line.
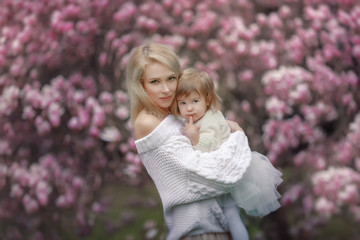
[[188, 180]]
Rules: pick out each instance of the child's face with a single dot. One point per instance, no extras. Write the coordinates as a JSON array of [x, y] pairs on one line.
[[194, 105]]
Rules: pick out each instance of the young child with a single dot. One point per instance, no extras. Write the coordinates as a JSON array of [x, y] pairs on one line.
[[206, 127]]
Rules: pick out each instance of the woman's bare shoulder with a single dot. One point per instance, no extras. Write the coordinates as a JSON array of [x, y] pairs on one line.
[[144, 124]]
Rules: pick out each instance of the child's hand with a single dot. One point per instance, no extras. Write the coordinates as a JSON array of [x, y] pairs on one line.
[[191, 131]]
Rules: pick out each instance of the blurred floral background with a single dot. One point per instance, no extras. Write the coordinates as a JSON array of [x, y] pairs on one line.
[[287, 71]]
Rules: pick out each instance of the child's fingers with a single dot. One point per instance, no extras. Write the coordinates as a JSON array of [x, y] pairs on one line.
[[191, 120]]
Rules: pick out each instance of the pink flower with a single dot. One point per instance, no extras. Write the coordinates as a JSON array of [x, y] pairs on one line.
[[125, 12], [276, 107], [325, 207], [42, 126], [106, 97], [193, 43], [98, 118], [28, 113], [5, 148], [77, 182], [121, 96], [16, 191], [246, 75], [94, 131], [83, 116], [42, 192], [261, 19], [102, 59], [54, 114], [122, 112], [61, 202], [349, 195], [30, 204], [74, 123], [292, 194], [110, 134], [245, 106], [275, 21]]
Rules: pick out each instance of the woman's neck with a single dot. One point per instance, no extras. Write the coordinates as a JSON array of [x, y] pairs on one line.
[[161, 113]]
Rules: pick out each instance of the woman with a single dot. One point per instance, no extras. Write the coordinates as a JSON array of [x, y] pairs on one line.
[[188, 181]]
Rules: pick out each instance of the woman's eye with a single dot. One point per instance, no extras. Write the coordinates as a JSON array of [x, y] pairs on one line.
[[172, 78], [154, 81]]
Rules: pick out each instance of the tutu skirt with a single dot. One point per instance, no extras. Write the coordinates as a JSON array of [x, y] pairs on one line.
[[256, 193]]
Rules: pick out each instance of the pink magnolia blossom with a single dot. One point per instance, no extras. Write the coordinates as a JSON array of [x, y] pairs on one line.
[[54, 114], [16, 191], [122, 112], [42, 192], [30, 204], [325, 207], [110, 134]]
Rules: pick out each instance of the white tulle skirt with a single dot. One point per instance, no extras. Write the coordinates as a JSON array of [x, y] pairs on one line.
[[257, 192]]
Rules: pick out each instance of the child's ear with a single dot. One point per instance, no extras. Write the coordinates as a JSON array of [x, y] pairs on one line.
[[208, 100]]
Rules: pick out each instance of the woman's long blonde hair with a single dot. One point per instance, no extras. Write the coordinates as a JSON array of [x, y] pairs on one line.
[[140, 57]]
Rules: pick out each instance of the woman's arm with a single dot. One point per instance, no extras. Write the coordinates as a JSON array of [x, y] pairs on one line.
[[183, 175], [214, 173]]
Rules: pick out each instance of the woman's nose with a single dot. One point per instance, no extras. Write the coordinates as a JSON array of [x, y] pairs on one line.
[[165, 87]]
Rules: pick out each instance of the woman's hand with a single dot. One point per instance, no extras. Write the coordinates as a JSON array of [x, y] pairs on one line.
[[234, 126]]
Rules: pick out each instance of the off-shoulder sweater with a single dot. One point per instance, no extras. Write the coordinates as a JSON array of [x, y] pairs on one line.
[[188, 181]]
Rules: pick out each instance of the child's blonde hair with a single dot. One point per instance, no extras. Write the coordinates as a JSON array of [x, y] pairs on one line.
[[194, 80]]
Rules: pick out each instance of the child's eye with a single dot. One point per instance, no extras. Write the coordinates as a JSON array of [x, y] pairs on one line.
[[196, 101], [181, 103]]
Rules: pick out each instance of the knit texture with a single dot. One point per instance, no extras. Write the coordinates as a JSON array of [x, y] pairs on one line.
[[188, 180], [214, 130]]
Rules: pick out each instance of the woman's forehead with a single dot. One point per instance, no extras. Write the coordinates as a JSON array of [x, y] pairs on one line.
[[157, 70]]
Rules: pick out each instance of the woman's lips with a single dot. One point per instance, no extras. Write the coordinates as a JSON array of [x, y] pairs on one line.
[[166, 98]]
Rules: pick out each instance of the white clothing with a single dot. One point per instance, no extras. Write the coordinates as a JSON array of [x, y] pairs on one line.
[[188, 181], [256, 193], [214, 130]]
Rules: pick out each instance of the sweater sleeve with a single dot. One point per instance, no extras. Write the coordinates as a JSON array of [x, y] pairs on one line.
[[210, 174], [183, 175]]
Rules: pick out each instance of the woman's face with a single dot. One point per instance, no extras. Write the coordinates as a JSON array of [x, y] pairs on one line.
[[160, 84]]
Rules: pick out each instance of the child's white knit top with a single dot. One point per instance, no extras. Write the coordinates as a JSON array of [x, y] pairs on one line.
[[188, 181], [214, 130]]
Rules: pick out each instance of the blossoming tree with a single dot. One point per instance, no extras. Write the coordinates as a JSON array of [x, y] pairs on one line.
[[288, 72]]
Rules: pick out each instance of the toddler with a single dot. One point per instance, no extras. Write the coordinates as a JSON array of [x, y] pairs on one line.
[[206, 127]]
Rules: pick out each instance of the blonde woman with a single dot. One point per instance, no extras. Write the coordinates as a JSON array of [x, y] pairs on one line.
[[187, 181]]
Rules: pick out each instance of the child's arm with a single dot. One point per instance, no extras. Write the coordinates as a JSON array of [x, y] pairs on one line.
[[192, 131]]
